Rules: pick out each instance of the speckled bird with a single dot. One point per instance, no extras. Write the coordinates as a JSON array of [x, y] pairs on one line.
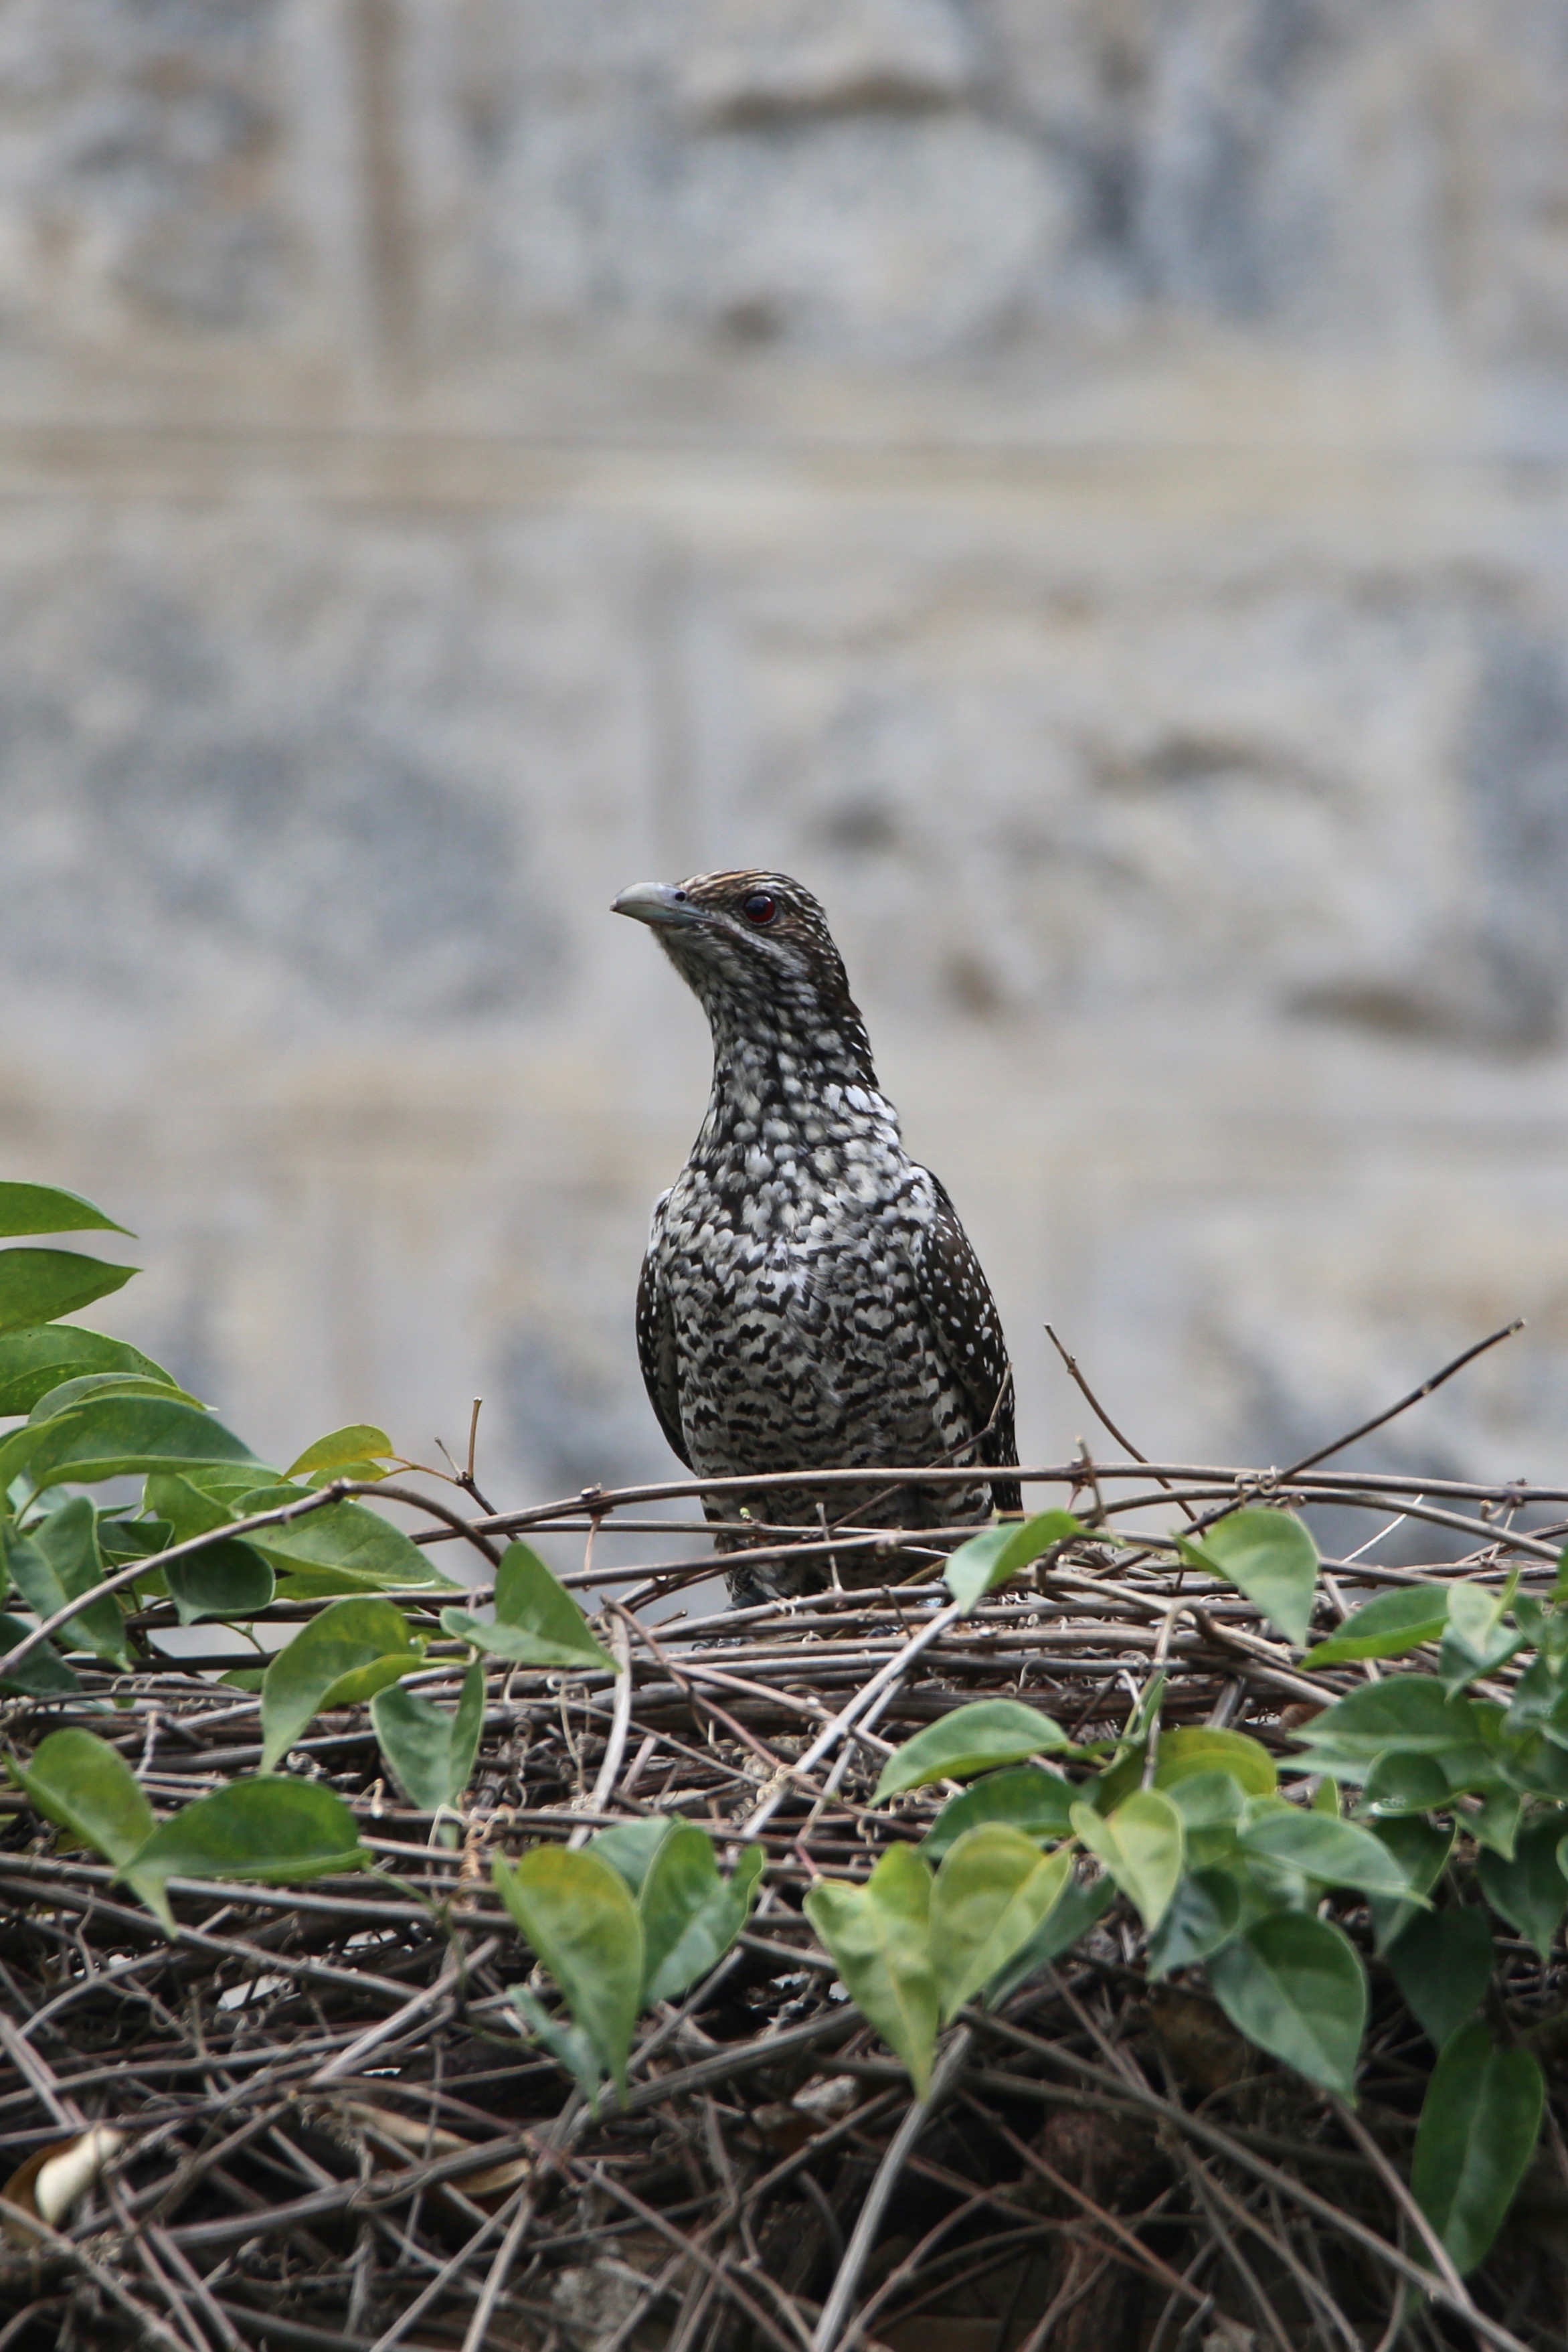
[[809, 1299]]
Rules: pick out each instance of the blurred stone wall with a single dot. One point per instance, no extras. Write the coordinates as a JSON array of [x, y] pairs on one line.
[[1081, 482]]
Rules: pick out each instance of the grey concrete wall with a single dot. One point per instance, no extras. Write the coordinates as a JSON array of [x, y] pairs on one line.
[[1081, 482]]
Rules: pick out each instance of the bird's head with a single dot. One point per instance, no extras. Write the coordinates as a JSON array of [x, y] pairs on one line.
[[757, 949]]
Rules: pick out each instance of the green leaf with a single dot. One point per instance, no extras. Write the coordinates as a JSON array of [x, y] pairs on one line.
[[117, 1436], [37, 1360], [1398, 1785], [342, 1547], [42, 1209], [1443, 1964], [83, 1785], [690, 1914], [1143, 1844], [343, 1454], [1204, 1914], [1479, 1638], [630, 1846], [1295, 1986], [1540, 1699], [1207, 1801], [121, 1539], [353, 1650], [878, 1938], [85, 1387], [1531, 1891], [988, 1560], [1267, 1555], [1386, 1627], [537, 1622], [431, 1749], [1403, 1714], [1027, 1797], [198, 1501], [1188, 1749], [43, 1673], [970, 1739], [1421, 1848], [273, 1830], [576, 1913], [993, 1893], [569, 2045], [1118, 1781], [1336, 1853], [1081, 1903], [59, 1560], [40, 1285], [1479, 2123], [1495, 1821], [228, 1579]]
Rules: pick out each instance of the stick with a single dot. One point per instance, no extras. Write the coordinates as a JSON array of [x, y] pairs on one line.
[[1309, 1461], [830, 2328]]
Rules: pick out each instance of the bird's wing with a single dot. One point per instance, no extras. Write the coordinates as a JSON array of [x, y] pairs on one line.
[[656, 1339], [968, 1332]]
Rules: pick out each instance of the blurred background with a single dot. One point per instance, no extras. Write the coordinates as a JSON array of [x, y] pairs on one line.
[[1081, 483]]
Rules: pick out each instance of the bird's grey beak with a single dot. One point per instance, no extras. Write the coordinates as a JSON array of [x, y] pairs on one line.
[[656, 902]]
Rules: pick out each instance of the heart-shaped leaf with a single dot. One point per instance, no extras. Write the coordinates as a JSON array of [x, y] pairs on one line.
[[1530, 1890], [78, 1781], [569, 2045], [1479, 1638], [1421, 1848], [970, 1739], [1336, 1853], [43, 1673], [878, 1938], [690, 1914], [1267, 1555], [342, 1547], [1408, 1714], [1189, 1749], [1077, 1907], [353, 1650], [1479, 2123], [579, 1916], [1205, 1913], [992, 1893], [1443, 1964], [537, 1623], [628, 1847], [59, 1560], [991, 1560], [228, 1579], [1027, 1797], [1387, 1627], [1295, 1986], [276, 1830], [1143, 1844], [431, 1749]]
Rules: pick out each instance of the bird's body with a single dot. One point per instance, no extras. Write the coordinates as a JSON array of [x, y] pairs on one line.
[[809, 1299]]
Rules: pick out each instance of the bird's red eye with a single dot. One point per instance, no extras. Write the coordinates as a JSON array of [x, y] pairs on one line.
[[759, 907]]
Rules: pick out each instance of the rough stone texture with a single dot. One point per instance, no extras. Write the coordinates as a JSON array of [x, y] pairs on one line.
[[1083, 482]]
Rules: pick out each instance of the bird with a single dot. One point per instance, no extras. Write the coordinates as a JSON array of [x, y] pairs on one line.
[[809, 1299]]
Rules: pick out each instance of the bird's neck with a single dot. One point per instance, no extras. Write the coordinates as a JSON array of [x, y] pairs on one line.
[[813, 1076]]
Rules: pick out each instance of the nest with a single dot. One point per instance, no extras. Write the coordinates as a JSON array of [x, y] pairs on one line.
[[336, 2137]]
